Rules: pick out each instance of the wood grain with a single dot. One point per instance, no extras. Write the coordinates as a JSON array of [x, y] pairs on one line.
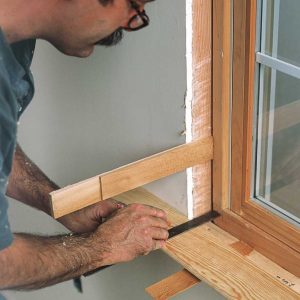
[[207, 252], [201, 104], [155, 167], [107, 185], [221, 102], [75, 197], [172, 285], [258, 239], [242, 135]]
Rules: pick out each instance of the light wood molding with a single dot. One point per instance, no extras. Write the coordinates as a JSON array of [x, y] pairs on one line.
[[201, 104], [110, 184], [172, 285], [75, 197], [218, 258], [221, 102]]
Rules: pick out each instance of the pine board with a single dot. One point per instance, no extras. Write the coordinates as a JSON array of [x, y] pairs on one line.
[[217, 258]]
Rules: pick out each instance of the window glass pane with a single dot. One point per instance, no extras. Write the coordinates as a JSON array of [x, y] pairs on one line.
[[278, 142], [281, 23]]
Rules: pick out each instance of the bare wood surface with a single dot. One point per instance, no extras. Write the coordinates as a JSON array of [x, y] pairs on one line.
[[201, 105], [75, 197], [107, 185], [172, 285], [211, 254], [221, 102], [155, 167], [238, 102], [268, 245], [269, 222]]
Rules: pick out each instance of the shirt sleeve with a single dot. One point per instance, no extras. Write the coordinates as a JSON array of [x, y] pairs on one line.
[[8, 130]]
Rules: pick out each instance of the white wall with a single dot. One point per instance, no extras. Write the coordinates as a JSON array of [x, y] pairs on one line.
[[95, 114]]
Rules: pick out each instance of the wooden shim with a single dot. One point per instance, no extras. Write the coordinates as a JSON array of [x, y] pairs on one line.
[[211, 254], [172, 285], [110, 184]]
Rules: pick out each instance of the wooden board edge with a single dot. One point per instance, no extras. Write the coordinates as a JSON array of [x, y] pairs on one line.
[[172, 285]]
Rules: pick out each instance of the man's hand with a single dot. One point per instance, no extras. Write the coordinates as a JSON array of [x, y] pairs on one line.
[[134, 230], [34, 261], [89, 218]]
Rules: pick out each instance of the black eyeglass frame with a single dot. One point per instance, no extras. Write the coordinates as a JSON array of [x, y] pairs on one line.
[[141, 14]]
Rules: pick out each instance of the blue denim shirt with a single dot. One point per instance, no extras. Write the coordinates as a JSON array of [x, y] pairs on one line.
[[16, 91]]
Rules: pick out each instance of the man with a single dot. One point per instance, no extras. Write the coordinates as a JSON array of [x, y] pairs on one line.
[[74, 27]]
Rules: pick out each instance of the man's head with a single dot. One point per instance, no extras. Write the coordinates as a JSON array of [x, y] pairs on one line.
[[79, 25], [72, 26]]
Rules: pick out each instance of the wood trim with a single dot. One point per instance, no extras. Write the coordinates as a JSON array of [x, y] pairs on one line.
[[239, 97], [264, 231], [75, 197], [201, 105], [172, 285], [110, 184], [221, 102], [263, 242], [218, 258], [272, 224], [242, 124]]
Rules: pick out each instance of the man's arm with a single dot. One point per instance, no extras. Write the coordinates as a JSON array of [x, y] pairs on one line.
[[28, 184], [33, 262]]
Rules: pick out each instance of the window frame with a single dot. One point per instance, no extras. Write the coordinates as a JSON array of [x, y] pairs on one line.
[[234, 43]]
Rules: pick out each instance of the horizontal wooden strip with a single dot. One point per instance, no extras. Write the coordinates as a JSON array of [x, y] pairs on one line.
[[120, 180], [209, 253], [172, 285], [75, 197], [155, 167]]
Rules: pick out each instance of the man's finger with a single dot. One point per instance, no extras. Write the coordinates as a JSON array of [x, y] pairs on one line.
[[158, 244], [158, 222], [150, 210], [158, 233], [107, 207]]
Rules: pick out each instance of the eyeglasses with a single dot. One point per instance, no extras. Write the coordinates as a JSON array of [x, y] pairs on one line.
[[138, 21]]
